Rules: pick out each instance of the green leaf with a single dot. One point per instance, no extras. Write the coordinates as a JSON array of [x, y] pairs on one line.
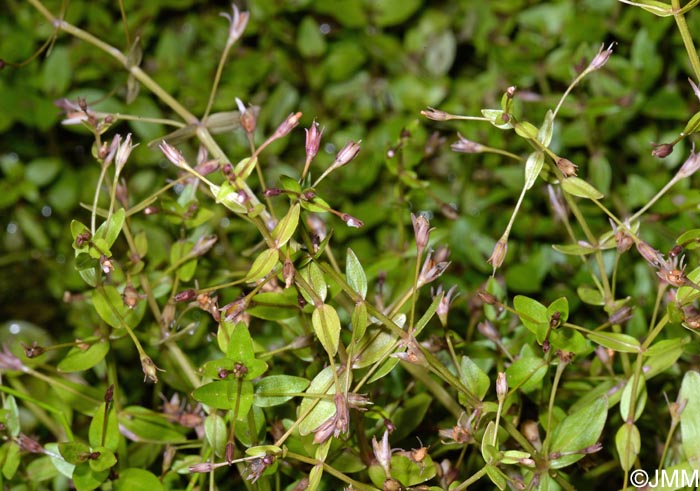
[[526, 373], [628, 443], [409, 472], [474, 377], [355, 274], [626, 399], [110, 229], [149, 426], [690, 417], [245, 167], [228, 196], [104, 461], [624, 343], [310, 42], [533, 315], [526, 130], [42, 171], [327, 327], [323, 408], [314, 277], [110, 307], [488, 450], [10, 416], [359, 321], [278, 389], [110, 439], [495, 116], [179, 252], [590, 296], [225, 394], [85, 479], [78, 360], [578, 187], [286, 226], [497, 477], [544, 135], [262, 265], [574, 249], [12, 459], [215, 433], [578, 431], [393, 12], [74, 452], [693, 124], [290, 184], [373, 346], [133, 479]]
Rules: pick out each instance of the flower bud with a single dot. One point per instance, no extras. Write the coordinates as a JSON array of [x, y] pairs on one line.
[[202, 467], [238, 22], [690, 166], [346, 154], [501, 386], [567, 167], [421, 231], [499, 253], [488, 331], [123, 153], [248, 119], [661, 150], [650, 255], [351, 221], [149, 369], [313, 140], [288, 273], [601, 58], [436, 114], [185, 295], [287, 125], [443, 307], [172, 154], [466, 146]]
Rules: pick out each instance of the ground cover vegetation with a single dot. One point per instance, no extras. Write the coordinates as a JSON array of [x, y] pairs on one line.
[[395, 245]]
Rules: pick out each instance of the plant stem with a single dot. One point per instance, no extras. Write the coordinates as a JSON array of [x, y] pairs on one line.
[[687, 38]]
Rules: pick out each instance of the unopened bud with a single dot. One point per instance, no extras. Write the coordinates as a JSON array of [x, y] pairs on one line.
[[185, 295], [621, 315], [124, 152], [510, 92], [207, 167], [346, 154], [690, 166], [501, 386], [650, 255], [567, 167], [601, 58], [313, 140], [436, 114], [287, 125], [661, 150], [288, 273], [421, 231], [172, 154], [499, 253], [248, 119], [351, 221], [464, 145], [488, 331], [201, 467], [149, 369], [487, 298]]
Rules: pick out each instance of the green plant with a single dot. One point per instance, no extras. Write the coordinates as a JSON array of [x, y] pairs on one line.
[[282, 321]]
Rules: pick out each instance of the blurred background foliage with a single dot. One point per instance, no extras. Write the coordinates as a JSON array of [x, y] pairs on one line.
[[364, 70]]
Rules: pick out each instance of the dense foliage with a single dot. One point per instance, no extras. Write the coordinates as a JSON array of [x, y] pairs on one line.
[[452, 279]]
